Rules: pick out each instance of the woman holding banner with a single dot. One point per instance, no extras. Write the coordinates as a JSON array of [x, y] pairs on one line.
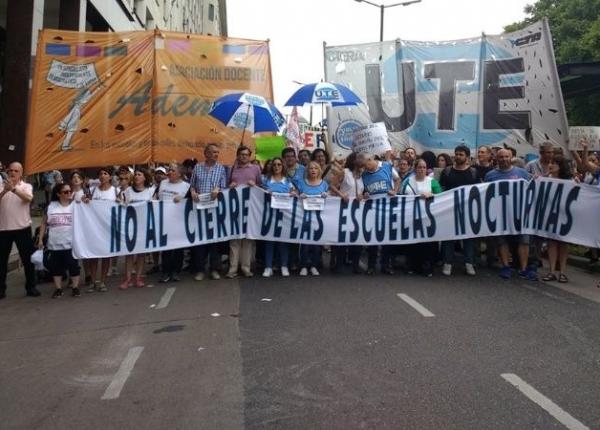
[[58, 222], [104, 191], [276, 182], [558, 251], [173, 189], [421, 255], [311, 186], [139, 191], [349, 187]]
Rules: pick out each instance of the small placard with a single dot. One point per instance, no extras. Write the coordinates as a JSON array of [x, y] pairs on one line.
[[591, 134], [205, 201], [313, 203], [281, 201], [372, 139]]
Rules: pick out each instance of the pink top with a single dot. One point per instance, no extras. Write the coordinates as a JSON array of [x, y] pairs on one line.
[[242, 174], [14, 212]]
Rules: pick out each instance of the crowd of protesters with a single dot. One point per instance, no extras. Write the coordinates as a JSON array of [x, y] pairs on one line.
[[302, 174]]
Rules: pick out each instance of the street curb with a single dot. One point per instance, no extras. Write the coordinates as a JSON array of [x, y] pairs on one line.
[[583, 263]]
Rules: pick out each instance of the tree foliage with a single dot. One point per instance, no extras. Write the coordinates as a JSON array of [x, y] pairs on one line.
[[575, 27]]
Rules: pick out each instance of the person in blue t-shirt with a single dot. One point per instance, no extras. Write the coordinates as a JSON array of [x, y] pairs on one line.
[[294, 171], [506, 171], [379, 177], [312, 185], [276, 182]]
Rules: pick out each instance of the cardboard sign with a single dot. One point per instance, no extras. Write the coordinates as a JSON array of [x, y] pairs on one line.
[[372, 139], [269, 147], [592, 134]]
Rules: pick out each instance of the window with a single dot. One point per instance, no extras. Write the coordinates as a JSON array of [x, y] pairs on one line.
[[211, 12]]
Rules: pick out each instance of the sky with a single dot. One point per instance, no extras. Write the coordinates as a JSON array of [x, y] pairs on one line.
[[297, 29]]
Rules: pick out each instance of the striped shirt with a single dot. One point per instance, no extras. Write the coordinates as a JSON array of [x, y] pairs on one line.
[[205, 179]]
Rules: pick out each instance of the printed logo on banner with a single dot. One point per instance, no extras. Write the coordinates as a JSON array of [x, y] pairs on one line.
[[240, 120], [327, 95], [254, 100], [526, 40], [346, 56], [344, 131]]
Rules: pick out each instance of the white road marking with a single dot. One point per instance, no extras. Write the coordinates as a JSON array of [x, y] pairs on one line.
[[113, 391], [544, 402], [166, 298], [416, 305]]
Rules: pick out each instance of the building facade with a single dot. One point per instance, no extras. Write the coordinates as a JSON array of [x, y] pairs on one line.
[[20, 21]]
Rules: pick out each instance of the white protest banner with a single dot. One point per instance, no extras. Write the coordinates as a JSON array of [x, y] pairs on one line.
[[281, 201], [372, 139], [551, 208], [72, 75], [591, 134], [435, 95], [205, 201]]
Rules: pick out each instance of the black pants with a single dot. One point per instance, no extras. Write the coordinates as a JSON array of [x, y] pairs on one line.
[[172, 261], [202, 253], [25, 246], [421, 256], [61, 261]]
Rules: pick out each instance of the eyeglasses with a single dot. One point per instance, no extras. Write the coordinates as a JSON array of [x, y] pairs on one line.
[[245, 154], [66, 192], [13, 170], [170, 170], [123, 179]]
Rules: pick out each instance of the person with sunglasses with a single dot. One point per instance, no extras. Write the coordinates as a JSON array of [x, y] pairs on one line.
[[58, 222], [15, 227], [277, 182]]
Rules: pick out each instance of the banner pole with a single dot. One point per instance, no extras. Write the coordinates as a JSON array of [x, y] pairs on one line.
[[245, 125]]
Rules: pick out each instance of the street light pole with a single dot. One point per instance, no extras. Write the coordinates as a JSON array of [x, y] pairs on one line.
[[382, 8]]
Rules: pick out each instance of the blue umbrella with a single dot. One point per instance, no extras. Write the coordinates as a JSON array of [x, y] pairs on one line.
[[324, 93], [247, 112]]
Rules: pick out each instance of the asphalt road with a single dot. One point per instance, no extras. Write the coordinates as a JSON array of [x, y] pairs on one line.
[[343, 352]]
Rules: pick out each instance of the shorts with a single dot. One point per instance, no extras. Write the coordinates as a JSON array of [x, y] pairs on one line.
[[521, 239], [62, 261]]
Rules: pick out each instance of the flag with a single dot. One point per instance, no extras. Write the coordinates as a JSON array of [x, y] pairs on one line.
[[292, 133]]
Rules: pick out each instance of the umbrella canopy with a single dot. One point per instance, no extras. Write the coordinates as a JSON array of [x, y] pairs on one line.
[[324, 93], [247, 112]]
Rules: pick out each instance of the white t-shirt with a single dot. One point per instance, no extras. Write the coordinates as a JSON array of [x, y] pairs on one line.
[[109, 194], [133, 196], [168, 190], [60, 226], [350, 185], [78, 195]]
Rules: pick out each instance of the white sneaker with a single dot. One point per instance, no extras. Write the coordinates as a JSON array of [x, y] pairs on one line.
[[199, 276], [314, 271], [284, 271], [303, 271], [470, 269], [268, 272], [215, 275], [447, 269]]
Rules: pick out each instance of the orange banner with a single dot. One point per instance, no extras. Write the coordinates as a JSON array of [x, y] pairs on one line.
[[125, 98]]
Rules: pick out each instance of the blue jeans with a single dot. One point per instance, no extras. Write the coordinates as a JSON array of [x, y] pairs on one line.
[[309, 255], [282, 247], [468, 246]]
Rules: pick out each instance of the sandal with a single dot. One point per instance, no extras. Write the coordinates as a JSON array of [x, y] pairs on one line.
[[549, 277], [562, 278]]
